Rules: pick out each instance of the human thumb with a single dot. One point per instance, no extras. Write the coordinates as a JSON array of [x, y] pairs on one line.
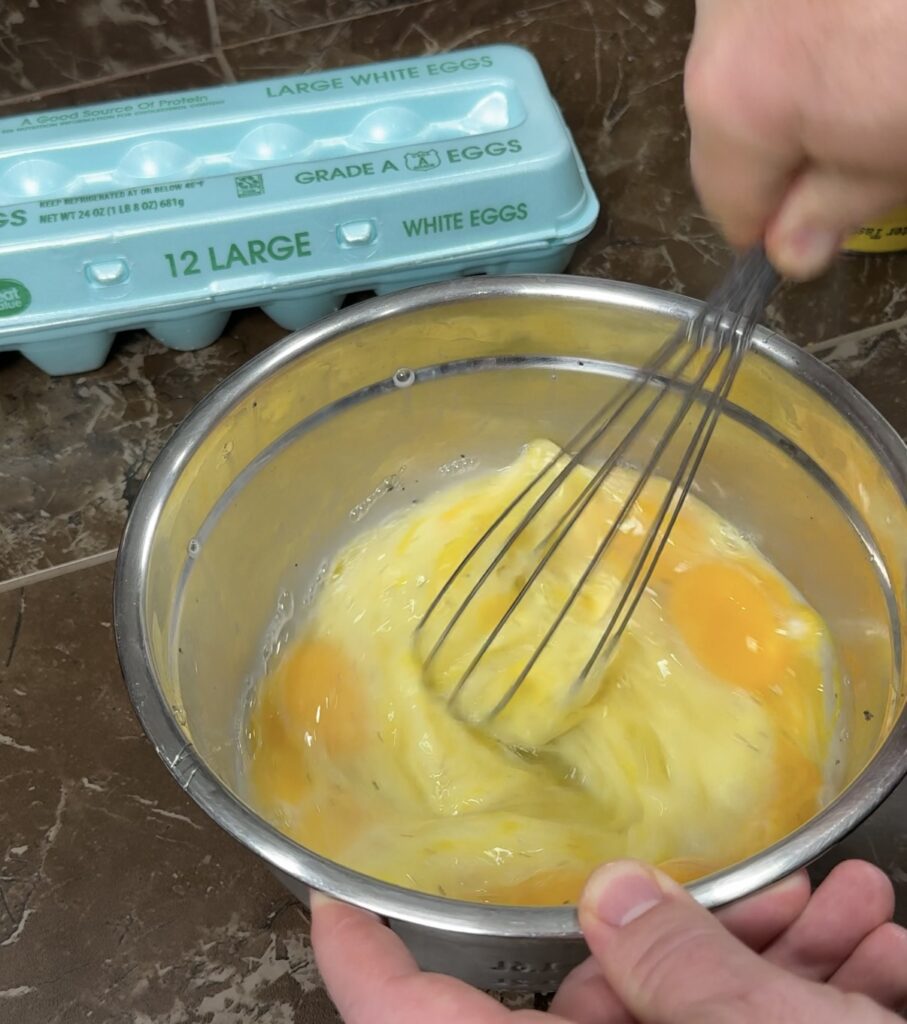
[[822, 207], [671, 962]]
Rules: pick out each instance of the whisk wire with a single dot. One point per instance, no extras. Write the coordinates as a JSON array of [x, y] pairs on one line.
[[757, 280], [661, 357], [559, 532], [724, 326], [667, 516], [637, 489]]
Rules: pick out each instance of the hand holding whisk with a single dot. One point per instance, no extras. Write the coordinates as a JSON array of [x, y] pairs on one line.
[[515, 613]]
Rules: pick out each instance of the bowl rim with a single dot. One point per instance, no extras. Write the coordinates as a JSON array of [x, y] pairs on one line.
[[877, 780]]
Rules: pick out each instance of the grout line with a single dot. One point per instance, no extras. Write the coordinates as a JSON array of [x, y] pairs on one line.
[[58, 90], [43, 575], [218, 53], [213, 24], [818, 347], [326, 24], [217, 47], [224, 65]]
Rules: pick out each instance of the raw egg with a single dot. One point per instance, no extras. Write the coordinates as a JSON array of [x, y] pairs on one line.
[[702, 737]]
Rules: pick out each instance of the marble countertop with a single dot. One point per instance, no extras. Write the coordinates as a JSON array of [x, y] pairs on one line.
[[119, 899]]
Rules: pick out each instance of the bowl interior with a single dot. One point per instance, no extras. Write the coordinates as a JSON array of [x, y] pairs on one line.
[[322, 435]]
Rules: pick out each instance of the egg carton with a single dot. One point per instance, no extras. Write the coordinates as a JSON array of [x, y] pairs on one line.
[[168, 212]]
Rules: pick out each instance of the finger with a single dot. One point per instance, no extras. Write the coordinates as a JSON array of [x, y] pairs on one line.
[[373, 979], [744, 140], [670, 960], [851, 903], [877, 967], [759, 919], [823, 206], [587, 998], [740, 185]]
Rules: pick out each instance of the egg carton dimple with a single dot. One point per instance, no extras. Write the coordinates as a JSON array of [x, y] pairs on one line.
[[168, 212]]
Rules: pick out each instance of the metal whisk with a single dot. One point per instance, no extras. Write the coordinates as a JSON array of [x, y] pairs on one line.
[[697, 364]]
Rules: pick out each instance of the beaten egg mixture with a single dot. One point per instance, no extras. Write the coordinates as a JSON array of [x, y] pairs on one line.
[[699, 741]]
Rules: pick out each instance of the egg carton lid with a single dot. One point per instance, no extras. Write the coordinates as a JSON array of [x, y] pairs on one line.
[[286, 193]]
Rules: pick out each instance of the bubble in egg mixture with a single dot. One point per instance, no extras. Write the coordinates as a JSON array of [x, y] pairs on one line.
[[710, 733], [362, 508], [404, 377], [278, 632], [458, 465]]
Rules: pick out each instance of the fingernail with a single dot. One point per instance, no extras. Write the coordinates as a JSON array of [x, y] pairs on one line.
[[807, 251], [619, 893], [793, 882], [317, 899]]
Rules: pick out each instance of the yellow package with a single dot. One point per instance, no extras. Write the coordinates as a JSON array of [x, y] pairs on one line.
[[886, 235]]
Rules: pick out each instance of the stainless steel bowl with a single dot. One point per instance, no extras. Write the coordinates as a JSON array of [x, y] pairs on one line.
[[274, 469]]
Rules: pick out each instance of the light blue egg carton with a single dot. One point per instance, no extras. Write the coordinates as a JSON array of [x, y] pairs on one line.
[[170, 211]]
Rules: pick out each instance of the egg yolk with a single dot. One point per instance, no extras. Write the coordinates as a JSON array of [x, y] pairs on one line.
[[309, 706], [318, 691], [726, 618], [703, 737]]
